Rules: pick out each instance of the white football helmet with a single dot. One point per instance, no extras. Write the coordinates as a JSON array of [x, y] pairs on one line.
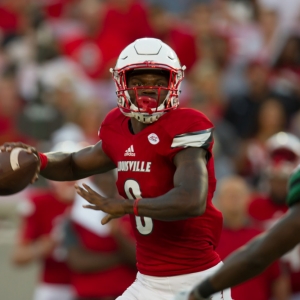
[[143, 54]]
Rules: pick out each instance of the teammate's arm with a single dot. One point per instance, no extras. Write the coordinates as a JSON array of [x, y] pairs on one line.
[[253, 258], [187, 198], [27, 252], [63, 166]]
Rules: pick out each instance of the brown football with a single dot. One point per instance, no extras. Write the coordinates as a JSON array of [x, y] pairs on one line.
[[17, 169]]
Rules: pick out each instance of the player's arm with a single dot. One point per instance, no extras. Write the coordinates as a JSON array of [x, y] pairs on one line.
[[73, 166], [187, 198], [63, 166], [257, 255]]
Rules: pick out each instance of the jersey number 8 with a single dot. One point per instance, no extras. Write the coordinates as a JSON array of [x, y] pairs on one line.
[[143, 224]]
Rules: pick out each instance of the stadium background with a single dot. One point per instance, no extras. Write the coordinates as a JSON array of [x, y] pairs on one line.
[[243, 71]]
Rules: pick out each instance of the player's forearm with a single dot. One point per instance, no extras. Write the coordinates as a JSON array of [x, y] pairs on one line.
[[59, 167], [177, 204], [62, 167]]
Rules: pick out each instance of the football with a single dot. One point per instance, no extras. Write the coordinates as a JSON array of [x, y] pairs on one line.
[[17, 169]]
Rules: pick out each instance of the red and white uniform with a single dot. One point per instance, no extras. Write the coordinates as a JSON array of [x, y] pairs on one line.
[[265, 213], [258, 288], [95, 237], [145, 169], [41, 213]]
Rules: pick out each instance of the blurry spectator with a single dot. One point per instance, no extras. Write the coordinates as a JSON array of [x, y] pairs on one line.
[[90, 116], [211, 43], [283, 155], [10, 110], [56, 9], [174, 33], [38, 240], [214, 46], [286, 73], [12, 16], [233, 199], [39, 119], [97, 48], [178, 7], [242, 109], [201, 16], [82, 120], [251, 159], [102, 257], [206, 97], [206, 91], [268, 33], [127, 18], [288, 11]]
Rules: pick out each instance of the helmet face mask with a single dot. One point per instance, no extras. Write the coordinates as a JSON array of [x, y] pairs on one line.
[[147, 103]]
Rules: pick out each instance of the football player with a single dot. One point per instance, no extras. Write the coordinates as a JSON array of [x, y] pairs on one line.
[[258, 254], [163, 155]]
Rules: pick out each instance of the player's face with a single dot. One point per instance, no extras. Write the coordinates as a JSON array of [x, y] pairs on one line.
[[153, 81]]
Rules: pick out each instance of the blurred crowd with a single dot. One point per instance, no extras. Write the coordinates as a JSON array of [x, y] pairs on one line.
[[243, 72]]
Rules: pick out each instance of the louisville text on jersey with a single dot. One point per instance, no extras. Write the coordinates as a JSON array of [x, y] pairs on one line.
[[134, 166]]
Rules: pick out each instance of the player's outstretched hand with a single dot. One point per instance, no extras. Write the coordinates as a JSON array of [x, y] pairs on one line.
[[8, 147], [112, 206]]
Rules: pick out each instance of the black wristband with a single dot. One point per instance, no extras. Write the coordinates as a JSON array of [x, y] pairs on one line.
[[204, 289]]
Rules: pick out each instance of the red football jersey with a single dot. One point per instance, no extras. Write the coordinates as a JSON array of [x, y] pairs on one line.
[[259, 287], [110, 282], [40, 214], [146, 169]]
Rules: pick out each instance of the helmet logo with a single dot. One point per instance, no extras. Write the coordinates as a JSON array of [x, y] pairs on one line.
[[153, 138]]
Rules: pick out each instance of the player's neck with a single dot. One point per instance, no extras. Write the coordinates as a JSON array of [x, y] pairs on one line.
[[135, 126]]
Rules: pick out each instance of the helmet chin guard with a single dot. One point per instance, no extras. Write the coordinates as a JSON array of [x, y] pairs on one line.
[[147, 54]]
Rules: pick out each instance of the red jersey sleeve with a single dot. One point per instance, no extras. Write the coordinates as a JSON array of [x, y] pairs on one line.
[[188, 128]]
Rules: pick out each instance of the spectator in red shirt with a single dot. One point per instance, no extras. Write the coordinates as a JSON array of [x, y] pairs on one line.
[[128, 18], [38, 241], [177, 35], [101, 257], [98, 48], [233, 199]]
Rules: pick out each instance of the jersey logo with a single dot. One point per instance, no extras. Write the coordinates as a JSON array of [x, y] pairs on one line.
[[153, 138], [129, 151]]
